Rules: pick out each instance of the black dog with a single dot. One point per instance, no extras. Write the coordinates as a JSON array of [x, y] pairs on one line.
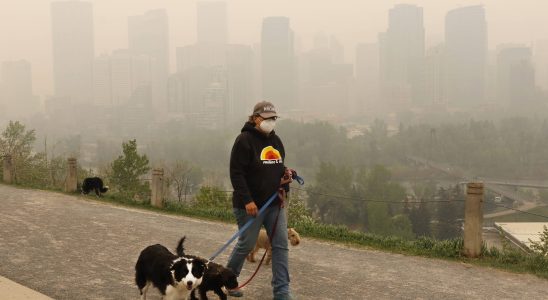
[[173, 275], [215, 278], [94, 184]]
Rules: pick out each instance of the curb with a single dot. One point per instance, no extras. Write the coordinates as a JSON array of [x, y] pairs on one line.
[[14, 291]]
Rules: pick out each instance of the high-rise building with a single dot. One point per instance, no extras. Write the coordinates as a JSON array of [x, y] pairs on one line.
[[278, 63], [200, 55], [129, 74], [16, 80], [367, 76], [214, 114], [433, 76], [402, 54], [466, 55], [102, 82], [324, 79], [241, 82], [210, 50], [515, 75], [540, 57], [200, 96], [337, 50], [73, 49], [148, 35], [212, 22]]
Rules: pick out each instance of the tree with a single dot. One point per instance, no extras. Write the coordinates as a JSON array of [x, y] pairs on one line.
[[183, 178], [213, 197], [297, 212], [127, 169], [449, 213], [420, 220], [541, 246], [543, 195], [333, 181], [379, 218], [400, 225], [17, 142]]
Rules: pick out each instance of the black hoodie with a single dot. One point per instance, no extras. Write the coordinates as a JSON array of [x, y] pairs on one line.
[[256, 166]]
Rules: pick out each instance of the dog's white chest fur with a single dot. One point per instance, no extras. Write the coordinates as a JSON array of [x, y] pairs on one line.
[[177, 293]]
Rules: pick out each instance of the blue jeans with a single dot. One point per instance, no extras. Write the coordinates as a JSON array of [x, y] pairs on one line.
[[246, 243]]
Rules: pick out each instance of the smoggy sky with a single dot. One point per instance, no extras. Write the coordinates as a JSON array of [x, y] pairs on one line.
[[25, 25]]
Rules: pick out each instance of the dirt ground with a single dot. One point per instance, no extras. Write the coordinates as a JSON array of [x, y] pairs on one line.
[[70, 247]]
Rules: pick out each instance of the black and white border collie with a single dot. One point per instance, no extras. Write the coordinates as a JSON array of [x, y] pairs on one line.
[[175, 276], [94, 184]]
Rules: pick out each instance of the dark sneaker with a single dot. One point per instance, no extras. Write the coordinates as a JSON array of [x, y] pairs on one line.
[[235, 293], [283, 297]]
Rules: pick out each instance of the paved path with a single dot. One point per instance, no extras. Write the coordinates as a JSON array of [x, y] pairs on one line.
[[67, 247]]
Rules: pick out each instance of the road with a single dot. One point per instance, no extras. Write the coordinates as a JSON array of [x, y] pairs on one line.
[[69, 247]]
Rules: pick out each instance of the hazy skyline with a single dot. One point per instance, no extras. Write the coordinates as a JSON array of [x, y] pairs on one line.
[[25, 25]]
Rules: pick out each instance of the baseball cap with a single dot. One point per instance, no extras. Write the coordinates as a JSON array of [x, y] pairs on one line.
[[265, 109]]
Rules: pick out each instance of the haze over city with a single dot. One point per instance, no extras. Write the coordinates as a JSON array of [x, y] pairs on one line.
[[93, 74], [400, 127], [25, 26]]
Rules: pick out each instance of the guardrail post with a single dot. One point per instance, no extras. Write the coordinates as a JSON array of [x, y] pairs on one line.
[[7, 170], [473, 219], [71, 184], [157, 188]]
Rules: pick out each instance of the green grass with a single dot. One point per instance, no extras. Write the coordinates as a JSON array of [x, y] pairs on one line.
[[509, 260], [427, 247]]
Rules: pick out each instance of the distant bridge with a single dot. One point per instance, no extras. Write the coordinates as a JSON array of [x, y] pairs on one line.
[[499, 186]]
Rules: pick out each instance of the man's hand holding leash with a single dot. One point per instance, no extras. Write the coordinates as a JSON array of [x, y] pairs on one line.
[[286, 179], [251, 209]]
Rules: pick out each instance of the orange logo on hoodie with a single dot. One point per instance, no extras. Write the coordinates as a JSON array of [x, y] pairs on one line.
[[269, 155]]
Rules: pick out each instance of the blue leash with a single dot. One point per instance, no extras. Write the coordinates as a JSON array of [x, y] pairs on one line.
[[299, 179], [244, 228]]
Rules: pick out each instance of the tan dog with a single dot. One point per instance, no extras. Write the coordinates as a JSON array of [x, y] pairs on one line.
[[264, 242]]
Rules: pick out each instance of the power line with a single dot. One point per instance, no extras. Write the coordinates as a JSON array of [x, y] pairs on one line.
[[363, 199], [369, 200], [402, 202], [521, 211]]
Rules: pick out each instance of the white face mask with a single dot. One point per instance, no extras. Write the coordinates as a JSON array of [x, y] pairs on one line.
[[267, 125]]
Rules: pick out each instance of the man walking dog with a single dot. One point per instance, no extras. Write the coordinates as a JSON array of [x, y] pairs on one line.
[[257, 171]]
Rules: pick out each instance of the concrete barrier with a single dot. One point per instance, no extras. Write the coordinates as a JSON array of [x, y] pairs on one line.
[[473, 219], [71, 183], [157, 188], [7, 170]]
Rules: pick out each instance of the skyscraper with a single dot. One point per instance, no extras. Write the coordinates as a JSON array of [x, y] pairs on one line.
[[515, 75], [102, 88], [402, 54], [148, 35], [241, 82], [128, 74], [278, 63], [324, 79], [210, 49], [73, 49], [367, 76], [16, 79], [433, 76], [212, 22], [466, 55], [540, 57]]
